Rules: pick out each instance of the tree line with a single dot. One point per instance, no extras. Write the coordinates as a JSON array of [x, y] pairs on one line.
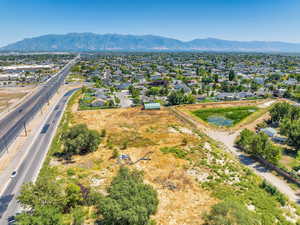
[[287, 117], [259, 145]]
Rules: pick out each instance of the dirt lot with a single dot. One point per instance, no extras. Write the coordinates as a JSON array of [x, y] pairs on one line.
[[10, 96], [190, 171], [137, 132]]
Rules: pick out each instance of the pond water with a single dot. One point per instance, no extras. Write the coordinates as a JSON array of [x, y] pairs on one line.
[[220, 121]]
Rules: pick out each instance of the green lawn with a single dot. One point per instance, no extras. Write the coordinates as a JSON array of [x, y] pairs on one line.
[[225, 116]]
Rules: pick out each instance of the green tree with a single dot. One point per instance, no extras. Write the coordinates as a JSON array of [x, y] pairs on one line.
[[78, 215], [280, 111], [45, 199], [80, 140], [178, 97], [259, 145], [231, 75], [42, 215], [245, 140], [129, 200], [73, 196], [291, 128], [45, 192]]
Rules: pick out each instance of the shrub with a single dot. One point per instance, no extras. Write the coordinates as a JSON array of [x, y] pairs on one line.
[[273, 191], [116, 153], [70, 172], [129, 200], [175, 151], [80, 140], [103, 133], [230, 212]]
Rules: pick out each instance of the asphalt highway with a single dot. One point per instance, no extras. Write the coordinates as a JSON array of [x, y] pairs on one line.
[[14, 123], [29, 168]]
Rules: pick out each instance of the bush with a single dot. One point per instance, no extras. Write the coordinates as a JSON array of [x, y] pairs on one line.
[[175, 151], [273, 191], [116, 153], [73, 196], [177, 98], [78, 216], [80, 140], [230, 212], [103, 133], [129, 200]]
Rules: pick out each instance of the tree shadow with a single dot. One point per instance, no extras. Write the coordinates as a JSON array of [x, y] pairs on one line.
[[62, 157], [290, 152], [100, 222], [246, 160], [4, 202]]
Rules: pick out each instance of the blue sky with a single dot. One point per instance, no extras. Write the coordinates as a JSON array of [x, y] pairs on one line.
[[267, 20]]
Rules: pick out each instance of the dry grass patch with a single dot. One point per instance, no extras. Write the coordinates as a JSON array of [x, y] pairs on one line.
[[182, 200]]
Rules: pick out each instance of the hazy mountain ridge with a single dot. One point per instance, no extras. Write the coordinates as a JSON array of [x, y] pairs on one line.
[[102, 42]]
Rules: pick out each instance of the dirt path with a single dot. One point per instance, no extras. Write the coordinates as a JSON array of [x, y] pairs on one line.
[[227, 139]]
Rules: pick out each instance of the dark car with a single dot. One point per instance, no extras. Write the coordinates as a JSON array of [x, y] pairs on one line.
[[11, 220], [13, 174]]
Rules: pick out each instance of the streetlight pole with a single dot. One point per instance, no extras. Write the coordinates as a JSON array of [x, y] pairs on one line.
[[24, 124]]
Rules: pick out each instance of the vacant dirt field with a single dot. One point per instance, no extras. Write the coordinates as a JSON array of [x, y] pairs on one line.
[[137, 132], [10, 96]]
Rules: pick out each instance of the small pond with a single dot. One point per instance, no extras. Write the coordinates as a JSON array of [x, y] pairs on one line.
[[220, 121]]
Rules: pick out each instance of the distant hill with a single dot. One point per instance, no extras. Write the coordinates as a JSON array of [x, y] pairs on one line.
[[117, 42]]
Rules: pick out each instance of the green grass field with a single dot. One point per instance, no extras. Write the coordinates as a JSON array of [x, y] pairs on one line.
[[225, 116]]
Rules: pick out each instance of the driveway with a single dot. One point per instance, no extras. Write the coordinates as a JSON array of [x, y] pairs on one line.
[[125, 102]]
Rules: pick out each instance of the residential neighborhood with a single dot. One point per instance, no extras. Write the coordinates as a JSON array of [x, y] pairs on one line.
[[134, 79]]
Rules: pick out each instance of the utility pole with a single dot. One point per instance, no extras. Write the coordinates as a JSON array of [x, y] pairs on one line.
[[6, 145], [24, 124], [48, 99]]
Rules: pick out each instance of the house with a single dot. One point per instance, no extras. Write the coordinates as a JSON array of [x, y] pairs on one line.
[[140, 78], [226, 96], [178, 86], [192, 83], [152, 105], [123, 86], [98, 103], [245, 94], [261, 92], [279, 139], [159, 83], [279, 92], [259, 80], [156, 77], [201, 97], [290, 81], [271, 132]]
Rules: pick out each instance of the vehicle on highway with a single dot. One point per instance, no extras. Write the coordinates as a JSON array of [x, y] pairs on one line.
[[11, 220], [13, 174]]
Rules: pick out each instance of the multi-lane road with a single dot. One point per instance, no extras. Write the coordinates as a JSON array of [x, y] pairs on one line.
[[15, 122], [32, 162]]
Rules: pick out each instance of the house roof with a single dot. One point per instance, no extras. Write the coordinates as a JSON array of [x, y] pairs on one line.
[[269, 131]]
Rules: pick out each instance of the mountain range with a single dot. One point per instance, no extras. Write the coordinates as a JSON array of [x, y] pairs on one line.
[[74, 42]]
